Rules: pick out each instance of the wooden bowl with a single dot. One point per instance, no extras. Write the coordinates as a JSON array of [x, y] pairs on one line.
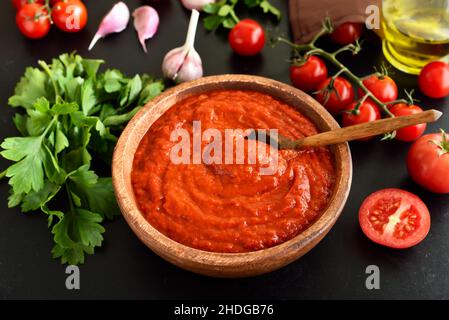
[[227, 264]]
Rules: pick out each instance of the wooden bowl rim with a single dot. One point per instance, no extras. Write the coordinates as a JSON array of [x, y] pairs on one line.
[[172, 250]]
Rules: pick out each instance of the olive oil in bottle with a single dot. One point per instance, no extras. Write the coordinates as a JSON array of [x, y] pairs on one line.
[[416, 32]]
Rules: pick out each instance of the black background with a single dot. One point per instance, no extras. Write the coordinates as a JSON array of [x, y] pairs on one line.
[[125, 268]]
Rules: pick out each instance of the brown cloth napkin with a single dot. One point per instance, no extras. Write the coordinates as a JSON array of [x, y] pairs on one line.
[[306, 16]]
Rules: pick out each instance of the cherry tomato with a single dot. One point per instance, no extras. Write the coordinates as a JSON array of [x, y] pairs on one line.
[[32, 20], [410, 133], [69, 15], [18, 4], [434, 80], [309, 75], [247, 38], [339, 97], [428, 162], [367, 112], [383, 87], [394, 218], [347, 33]]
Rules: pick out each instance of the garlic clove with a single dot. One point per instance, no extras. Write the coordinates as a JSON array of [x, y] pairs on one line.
[[114, 21], [146, 22]]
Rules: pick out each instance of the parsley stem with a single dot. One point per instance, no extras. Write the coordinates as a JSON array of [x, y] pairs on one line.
[[50, 125], [115, 121], [3, 174], [47, 70], [69, 196]]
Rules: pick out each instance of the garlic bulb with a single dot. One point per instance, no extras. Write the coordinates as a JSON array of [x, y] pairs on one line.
[[196, 4], [184, 63]]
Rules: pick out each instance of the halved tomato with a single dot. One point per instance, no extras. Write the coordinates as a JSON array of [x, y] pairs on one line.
[[394, 218]]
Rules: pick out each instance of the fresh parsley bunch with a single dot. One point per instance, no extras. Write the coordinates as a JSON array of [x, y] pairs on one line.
[[222, 13], [72, 114]]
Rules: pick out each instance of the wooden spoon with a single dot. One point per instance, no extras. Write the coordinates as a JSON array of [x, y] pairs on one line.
[[356, 132]]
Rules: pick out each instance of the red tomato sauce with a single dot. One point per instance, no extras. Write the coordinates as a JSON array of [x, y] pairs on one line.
[[231, 207]]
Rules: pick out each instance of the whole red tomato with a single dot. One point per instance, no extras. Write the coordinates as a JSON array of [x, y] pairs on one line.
[[309, 75], [383, 87], [69, 15], [18, 4], [347, 33], [247, 38], [434, 80], [428, 162], [338, 98], [367, 112], [33, 21], [410, 133]]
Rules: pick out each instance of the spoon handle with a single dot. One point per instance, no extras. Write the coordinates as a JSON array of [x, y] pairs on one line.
[[368, 129]]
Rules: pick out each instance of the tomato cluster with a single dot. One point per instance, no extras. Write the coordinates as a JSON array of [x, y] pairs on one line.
[[35, 17], [337, 94]]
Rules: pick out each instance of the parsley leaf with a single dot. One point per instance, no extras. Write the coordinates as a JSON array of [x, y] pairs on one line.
[[88, 99], [77, 233], [35, 200], [31, 87], [27, 174]]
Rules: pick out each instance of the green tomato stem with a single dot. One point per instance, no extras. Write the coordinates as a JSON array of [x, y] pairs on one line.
[[444, 145], [310, 49]]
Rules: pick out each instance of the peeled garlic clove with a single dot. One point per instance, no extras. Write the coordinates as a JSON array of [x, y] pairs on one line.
[[146, 22], [191, 69], [114, 21], [196, 4]]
